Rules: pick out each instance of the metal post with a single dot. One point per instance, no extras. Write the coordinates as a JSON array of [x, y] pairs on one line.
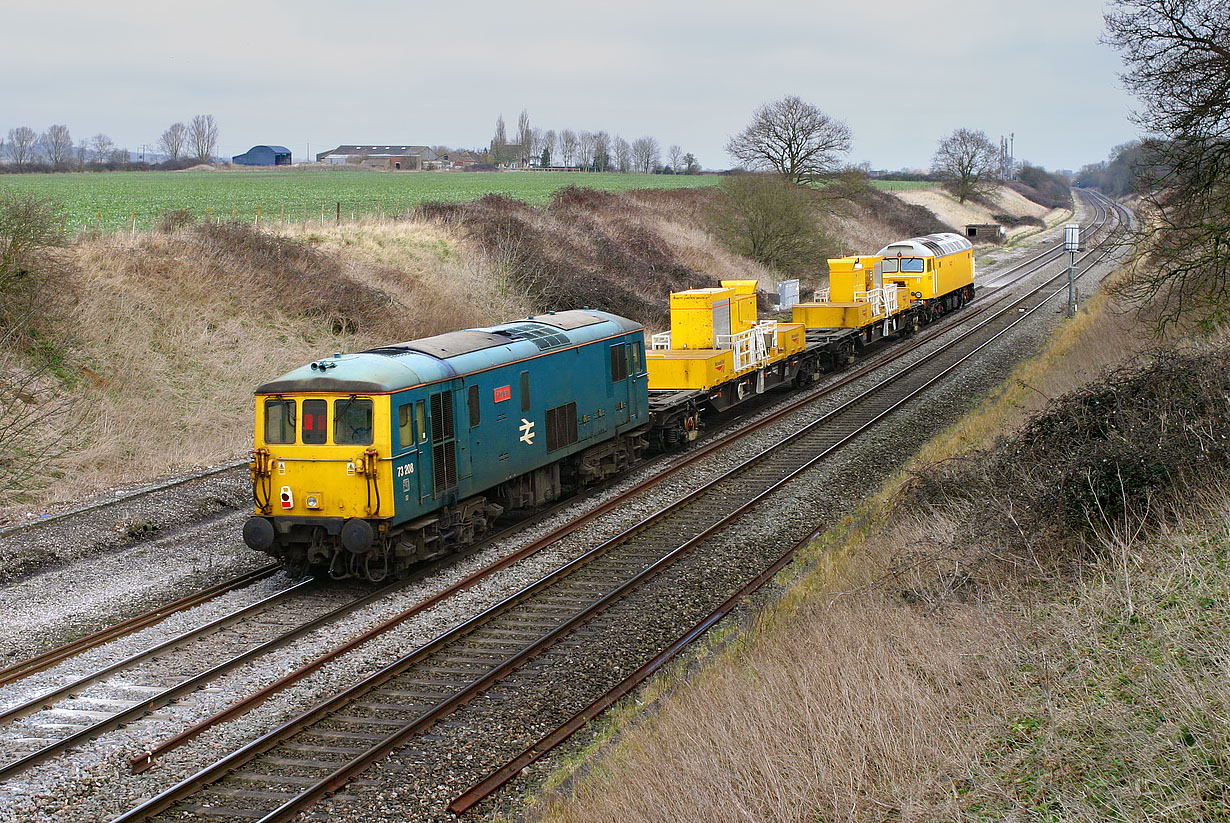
[[1071, 244], [1072, 286]]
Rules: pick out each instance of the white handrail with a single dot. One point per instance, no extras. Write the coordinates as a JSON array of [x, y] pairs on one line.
[[883, 301], [661, 340]]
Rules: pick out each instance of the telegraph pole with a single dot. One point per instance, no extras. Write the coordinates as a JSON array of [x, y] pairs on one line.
[[1072, 244]]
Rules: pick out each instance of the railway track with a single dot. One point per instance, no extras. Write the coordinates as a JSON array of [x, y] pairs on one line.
[[274, 776], [51, 657], [74, 712]]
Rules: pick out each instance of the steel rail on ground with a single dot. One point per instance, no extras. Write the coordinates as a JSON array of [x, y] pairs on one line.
[[46, 659]]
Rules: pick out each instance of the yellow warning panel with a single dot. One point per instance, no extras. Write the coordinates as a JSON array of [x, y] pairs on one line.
[[689, 369]]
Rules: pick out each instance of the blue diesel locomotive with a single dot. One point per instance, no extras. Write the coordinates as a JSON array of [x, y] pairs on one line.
[[368, 463]]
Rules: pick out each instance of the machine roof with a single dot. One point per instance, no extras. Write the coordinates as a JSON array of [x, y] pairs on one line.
[[931, 245]]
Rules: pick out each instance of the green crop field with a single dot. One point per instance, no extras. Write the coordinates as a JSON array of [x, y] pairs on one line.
[[111, 200]]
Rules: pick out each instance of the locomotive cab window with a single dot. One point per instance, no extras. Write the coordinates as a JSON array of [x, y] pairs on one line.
[[352, 421], [279, 421], [912, 265], [420, 420], [405, 430], [315, 422], [637, 358], [889, 266], [619, 363]]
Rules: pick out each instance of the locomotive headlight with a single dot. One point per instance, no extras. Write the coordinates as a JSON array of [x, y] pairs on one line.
[[313, 501]]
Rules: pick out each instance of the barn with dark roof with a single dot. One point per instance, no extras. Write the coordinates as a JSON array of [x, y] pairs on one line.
[[264, 156]]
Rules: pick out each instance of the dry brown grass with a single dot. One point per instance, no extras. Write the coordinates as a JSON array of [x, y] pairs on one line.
[[843, 708]]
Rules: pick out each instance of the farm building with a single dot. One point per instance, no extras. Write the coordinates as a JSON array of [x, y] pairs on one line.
[[383, 157], [264, 156]]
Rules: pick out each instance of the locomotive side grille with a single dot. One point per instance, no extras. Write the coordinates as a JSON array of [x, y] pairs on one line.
[[444, 465], [442, 417], [444, 447], [561, 426]]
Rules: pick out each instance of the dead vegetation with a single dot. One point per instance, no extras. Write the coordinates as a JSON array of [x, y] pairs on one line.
[[587, 248]]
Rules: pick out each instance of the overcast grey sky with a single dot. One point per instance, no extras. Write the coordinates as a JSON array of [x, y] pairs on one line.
[[901, 73]]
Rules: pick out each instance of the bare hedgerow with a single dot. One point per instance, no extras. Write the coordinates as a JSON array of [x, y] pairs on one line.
[[1109, 459], [586, 249]]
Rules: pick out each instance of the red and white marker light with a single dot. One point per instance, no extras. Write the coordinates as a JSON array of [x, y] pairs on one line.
[[288, 502]]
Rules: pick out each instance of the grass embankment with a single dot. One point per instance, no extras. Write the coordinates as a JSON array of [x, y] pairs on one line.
[[1033, 628]]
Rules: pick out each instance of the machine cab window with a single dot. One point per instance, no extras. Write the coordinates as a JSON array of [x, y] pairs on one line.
[[315, 422], [352, 421], [912, 265], [889, 266], [279, 420], [405, 431]]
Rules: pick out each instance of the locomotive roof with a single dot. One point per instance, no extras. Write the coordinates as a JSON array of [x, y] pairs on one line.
[[448, 355], [931, 245]]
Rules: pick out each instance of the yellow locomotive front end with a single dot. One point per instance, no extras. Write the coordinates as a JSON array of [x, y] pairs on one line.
[[317, 479]]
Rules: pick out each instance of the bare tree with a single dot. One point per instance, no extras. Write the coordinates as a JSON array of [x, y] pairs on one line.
[[203, 136], [499, 141], [568, 146], [793, 138], [690, 164], [21, 144], [602, 151], [675, 153], [623, 155], [537, 138], [31, 398], [549, 143], [967, 160], [585, 149], [172, 141], [525, 135], [772, 220], [645, 154], [57, 144], [103, 146], [1178, 59]]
